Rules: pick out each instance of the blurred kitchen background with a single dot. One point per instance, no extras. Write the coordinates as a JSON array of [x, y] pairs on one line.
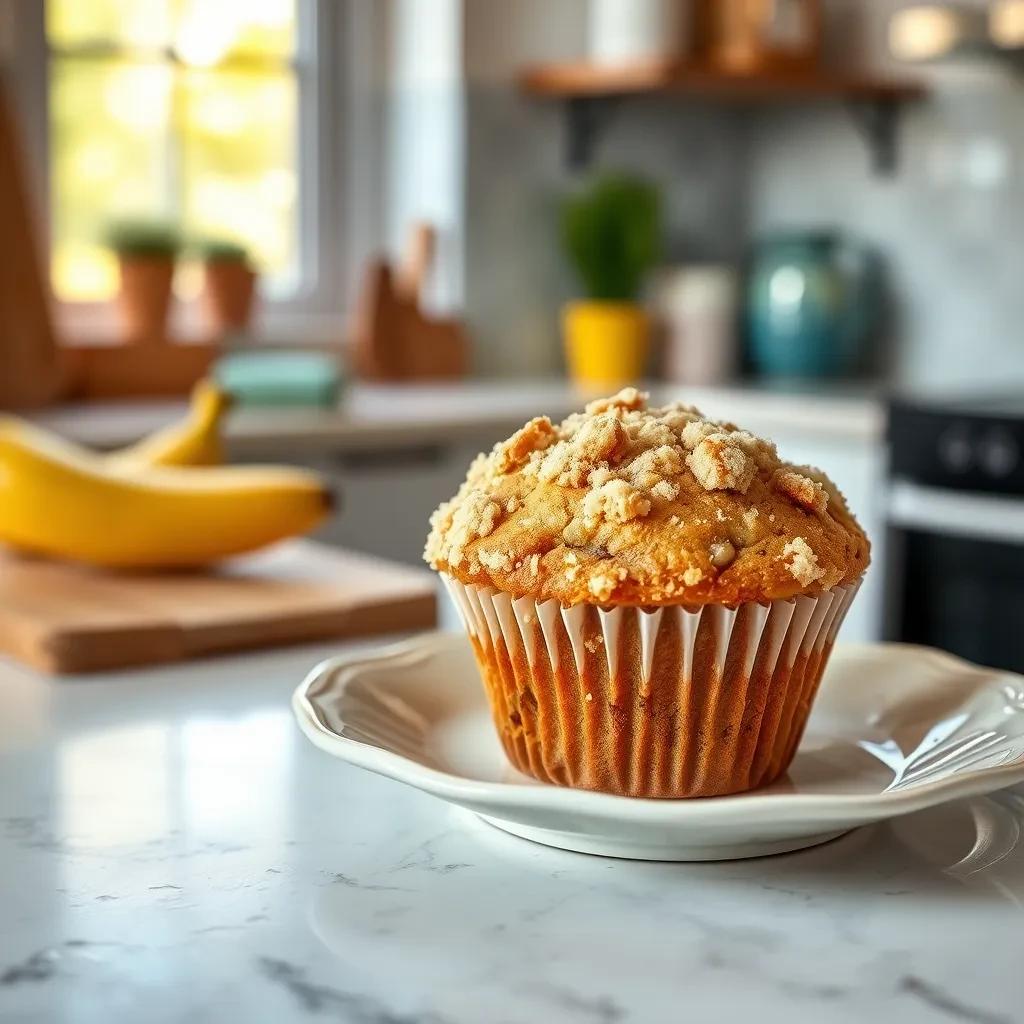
[[397, 229]]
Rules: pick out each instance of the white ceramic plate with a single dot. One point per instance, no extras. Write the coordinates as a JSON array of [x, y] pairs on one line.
[[895, 729]]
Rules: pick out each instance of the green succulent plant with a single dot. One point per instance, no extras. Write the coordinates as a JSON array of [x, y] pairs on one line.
[[138, 237], [220, 250], [611, 230]]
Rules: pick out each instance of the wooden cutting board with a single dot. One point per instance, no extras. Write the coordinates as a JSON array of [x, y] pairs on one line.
[[64, 618]]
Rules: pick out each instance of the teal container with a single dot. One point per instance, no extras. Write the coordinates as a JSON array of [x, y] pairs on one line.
[[272, 378], [812, 300]]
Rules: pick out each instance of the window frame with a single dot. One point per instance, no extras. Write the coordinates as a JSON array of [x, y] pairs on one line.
[[314, 312]]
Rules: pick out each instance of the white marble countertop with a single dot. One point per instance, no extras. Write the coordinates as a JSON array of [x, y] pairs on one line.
[[171, 848], [381, 415]]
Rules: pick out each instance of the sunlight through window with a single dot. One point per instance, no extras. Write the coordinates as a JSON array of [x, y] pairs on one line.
[[182, 110]]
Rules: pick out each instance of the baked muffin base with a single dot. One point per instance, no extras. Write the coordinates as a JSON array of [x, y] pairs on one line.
[[667, 702]]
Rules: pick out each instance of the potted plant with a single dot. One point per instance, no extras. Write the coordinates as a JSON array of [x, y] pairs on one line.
[[612, 235], [229, 285], [146, 251]]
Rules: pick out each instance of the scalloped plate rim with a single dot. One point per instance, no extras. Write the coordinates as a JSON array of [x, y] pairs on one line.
[[489, 797]]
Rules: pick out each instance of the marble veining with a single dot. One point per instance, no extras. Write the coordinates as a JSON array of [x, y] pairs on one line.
[[313, 998], [172, 849], [946, 1004]]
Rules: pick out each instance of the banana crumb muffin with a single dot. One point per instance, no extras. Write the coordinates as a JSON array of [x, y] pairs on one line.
[[651, 596], [629, 505]]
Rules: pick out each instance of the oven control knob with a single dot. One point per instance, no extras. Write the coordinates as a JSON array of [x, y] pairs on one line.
[[955, 451], [999, 453]]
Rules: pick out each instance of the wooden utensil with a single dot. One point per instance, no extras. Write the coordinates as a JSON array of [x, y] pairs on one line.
[[30, 372], [411, 279], [35, 368], [63, 618]]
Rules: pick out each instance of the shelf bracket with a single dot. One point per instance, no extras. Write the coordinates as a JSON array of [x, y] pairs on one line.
[[877, 120], [586, 117]]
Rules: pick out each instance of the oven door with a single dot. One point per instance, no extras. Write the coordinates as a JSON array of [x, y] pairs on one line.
[[956, 577]]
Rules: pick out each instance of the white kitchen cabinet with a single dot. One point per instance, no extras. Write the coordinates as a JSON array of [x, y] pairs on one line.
[[858, 469], [386, 495]]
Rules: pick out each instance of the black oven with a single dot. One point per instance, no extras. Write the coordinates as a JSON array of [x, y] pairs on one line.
[[955, 545]]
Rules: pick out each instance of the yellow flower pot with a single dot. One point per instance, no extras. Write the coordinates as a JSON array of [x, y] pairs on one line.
[[606, 343]]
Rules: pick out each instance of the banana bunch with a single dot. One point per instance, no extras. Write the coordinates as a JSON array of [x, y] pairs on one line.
[[161, 503]]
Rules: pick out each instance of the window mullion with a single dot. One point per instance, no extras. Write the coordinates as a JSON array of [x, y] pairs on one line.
[[175, 172]]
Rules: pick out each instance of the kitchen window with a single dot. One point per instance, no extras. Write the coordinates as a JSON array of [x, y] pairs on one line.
[[207, 113]]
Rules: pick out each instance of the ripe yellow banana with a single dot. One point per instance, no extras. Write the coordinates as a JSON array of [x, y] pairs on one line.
[[60, 502], [195, 441]]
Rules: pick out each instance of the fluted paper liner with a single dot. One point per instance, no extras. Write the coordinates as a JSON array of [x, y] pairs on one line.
[[660, 702]]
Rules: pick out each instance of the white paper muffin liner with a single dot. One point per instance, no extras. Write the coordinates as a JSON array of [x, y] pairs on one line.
[[659, 702]]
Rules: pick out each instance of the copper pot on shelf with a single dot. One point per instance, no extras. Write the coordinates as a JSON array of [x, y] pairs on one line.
[[760, 36]]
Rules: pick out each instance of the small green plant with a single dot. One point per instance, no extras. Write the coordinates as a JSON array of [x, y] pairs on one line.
[[612, 234], [220, 250], [143, 238]]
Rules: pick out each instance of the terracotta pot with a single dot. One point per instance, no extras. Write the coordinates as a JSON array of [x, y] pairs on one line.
[[145, 296], [228, 294]]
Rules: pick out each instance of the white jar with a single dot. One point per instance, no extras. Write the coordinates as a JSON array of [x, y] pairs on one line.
[[627, 31], [697, 309]]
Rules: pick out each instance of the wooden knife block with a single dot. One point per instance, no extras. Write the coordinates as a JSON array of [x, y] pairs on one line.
[[392, 338]]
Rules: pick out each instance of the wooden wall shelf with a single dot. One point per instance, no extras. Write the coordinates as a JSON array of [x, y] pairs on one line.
[[590, 92]]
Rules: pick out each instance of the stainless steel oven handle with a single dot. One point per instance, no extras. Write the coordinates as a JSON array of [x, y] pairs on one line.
[[956, 513]]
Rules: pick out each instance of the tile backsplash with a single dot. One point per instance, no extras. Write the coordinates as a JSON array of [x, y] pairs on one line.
[[949, 222]]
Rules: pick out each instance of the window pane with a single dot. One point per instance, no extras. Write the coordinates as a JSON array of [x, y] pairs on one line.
[[110, 158], [201, 32], [195, 121], [209, 31], [238, 142], [139, 23]]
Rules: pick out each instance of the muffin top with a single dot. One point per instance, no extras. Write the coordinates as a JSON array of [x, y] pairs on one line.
[[629, 505]]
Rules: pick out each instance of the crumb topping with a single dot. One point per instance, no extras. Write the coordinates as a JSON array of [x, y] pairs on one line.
[[537, 435], [802, 490], [694, 430], [803, 562], [627, 398], [496, 560], [463, 521], [721, 465], [603, 584], [626, 503], [617, 501], [665, 489]]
